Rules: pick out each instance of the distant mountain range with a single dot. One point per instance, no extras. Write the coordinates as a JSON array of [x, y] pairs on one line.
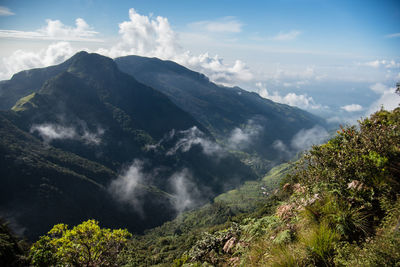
[[130, 142]]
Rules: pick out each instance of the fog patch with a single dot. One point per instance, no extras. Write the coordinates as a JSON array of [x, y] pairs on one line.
[[304, 139], [241, 138], [127, 187], [185, 192], [50, 132], [183, 141], [301, 141]]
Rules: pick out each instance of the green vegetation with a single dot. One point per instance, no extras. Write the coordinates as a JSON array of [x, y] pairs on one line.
[[338, 207], [12, 250], [84, 245]]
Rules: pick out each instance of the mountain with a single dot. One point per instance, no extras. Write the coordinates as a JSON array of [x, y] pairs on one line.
[[42, 186], [157, 160], [223, 110]]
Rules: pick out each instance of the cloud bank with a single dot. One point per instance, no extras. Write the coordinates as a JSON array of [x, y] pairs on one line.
[[292, 99], [154, 37], [21, 60]]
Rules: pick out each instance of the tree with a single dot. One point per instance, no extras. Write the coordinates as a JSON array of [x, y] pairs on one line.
[[84, 245], [13, 251]]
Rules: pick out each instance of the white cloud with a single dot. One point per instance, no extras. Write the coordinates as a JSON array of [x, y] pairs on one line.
[[21, 60], [378, 88], [286, 36], [305, 138], [292, 99], [224, 25], [393, 35], [191, 137], [352, 107], [301, 141], [127, 187], [140, 35], [388, 64], [154, 37], [5, 11], [388, 98], [185, 193], [49, 132], [242, 137], [56, 30]]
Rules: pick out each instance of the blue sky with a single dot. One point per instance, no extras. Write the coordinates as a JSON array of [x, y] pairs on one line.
[[339, 59]]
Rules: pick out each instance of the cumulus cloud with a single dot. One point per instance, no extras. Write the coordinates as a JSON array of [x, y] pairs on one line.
[[127, 186], [224, 25], [140, 35], [49, 132], [154, 37], [286, 36], [242, 137], [5, 11], [292, 99], [21, 60], [352, 107], [184, 190], [56, 30], [301, 141]]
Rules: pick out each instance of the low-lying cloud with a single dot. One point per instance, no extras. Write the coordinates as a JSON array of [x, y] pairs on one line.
[[301, 141], [127, 186], [183, 141], [241, 138], [192, 137], [49, 132], [185, 192]]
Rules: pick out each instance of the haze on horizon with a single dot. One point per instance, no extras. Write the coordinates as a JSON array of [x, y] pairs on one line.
[[337, 59]]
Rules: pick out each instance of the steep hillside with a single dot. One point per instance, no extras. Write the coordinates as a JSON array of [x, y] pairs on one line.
[[161, 161], [339, 206], [42, 186], [223, 109]]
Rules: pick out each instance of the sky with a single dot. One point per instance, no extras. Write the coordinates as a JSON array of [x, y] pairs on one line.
[[338, 59]]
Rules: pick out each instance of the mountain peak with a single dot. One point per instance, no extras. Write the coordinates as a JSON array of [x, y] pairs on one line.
[[84, 64]]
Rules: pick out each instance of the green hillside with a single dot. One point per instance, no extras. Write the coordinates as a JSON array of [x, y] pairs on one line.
[[224, 109], [337, 206]]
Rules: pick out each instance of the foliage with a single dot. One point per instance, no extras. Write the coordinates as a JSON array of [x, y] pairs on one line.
[[12, 249], [84, 245]]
